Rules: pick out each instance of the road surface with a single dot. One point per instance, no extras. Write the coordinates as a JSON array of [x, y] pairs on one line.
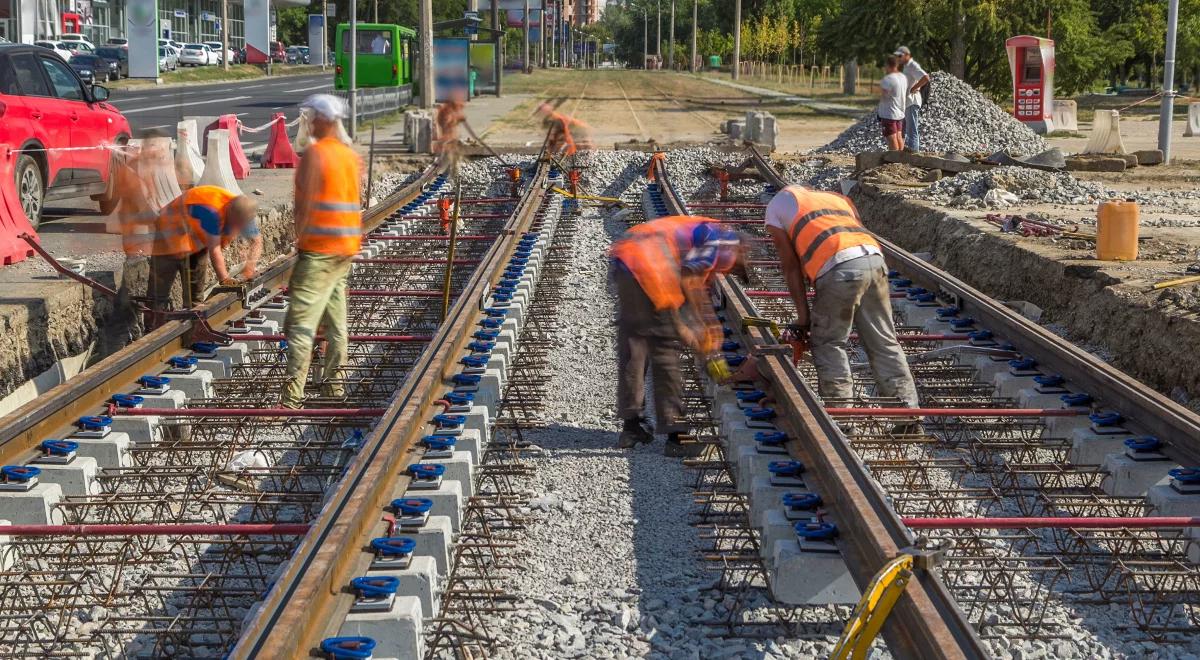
[[253, 101]]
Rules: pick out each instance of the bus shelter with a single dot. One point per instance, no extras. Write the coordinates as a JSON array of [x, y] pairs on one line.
[[463, 42]]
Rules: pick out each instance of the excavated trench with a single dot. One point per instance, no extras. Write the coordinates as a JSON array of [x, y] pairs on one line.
[[1143, 334]]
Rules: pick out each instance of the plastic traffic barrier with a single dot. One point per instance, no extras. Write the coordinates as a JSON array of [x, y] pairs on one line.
[[13, 223], [279, 153]]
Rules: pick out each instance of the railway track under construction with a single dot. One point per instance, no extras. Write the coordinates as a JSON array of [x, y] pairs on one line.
[[163, 507]]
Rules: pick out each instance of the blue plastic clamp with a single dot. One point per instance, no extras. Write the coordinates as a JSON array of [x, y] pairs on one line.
[[411, 506], [802, 501], [393, 546], [127, 400], [761, 414], [785, 468], [348, 648], [1053, 380], [1144, 443], [19, 473], [59, 447], [771, 437], [93, 422], [427, 470], [154, 381], [1079, 399], [1186, 475], [819, 531], [375, 586], [1106, 419], [441, 442]]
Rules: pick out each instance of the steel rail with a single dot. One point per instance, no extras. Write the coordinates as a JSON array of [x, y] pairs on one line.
[[1175, 425], [926, 622], [309, 600], [51, 414]]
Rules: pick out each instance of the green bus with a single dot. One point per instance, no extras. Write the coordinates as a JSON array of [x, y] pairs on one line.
[[385, 55]]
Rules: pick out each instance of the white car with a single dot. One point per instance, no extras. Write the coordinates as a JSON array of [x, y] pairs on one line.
[[71, 39], [215, 47], [120, 41], [59, 48], [197, 55]]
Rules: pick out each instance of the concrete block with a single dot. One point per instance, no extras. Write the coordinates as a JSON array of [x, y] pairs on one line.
[[751, 462], [470, 442], [1130, 478], [459, 467], [776, 527], [36, 506], [1031, 398], [987, 368], [111, 451], [434, 539], [275, 315], [1009, 385], [765, 496], [420, 581], [447, 501], [1089, 448], [142, 430], [196, 385], [1149, 156], [479, 420], [1064, 426], [75, 478], [236, 353], [491, 390], [397, 633], [220, 369], [170, 399], [1169, 502], [810, 578], [8, 554], [737, 129]]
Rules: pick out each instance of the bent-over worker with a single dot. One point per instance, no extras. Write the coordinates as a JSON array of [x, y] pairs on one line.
[[661, 269], [822, 242], [328, 235], [193, 231]]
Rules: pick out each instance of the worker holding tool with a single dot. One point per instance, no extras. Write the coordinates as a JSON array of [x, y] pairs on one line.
[[328, 236], [193, 231], [661, 269], [822, 243], [563, 132]]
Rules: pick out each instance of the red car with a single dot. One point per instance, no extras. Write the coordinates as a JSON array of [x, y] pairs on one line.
[[278, 52], [45, 106]]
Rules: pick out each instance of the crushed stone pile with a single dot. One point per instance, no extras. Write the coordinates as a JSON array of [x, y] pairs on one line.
[[957, 119], [1004, 186]]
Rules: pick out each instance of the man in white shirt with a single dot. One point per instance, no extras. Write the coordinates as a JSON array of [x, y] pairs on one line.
[[916, 78], [893, 98], [379, 45]]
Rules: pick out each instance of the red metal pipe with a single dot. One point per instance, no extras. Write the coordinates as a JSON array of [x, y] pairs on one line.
[[432, 262], [1051, 523], [463, 216], [153, 529], [247, 412], [726, 205], [362, 339], [956, 412]]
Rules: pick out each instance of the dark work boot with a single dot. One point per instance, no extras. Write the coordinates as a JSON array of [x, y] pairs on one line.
[[635, 431]]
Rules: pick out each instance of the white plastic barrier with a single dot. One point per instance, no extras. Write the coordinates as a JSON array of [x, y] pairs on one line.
[[218, 171], [1193, 121], [1065, 116], [1106, 134], [155, 167], [189, 164]]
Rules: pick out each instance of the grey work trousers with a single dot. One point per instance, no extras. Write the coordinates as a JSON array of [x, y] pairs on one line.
[[855, 294], [646, 338]]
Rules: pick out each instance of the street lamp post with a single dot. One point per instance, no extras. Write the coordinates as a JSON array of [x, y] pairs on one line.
[[671, 48], [645, 37], [737, 38]]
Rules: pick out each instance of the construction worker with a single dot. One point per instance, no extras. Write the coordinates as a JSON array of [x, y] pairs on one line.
[[328, 214], [193, 231], [562, 132], [661, 269], [822, 243]]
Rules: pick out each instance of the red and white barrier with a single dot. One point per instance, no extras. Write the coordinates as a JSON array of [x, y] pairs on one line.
[[279, 153], [13, 222], [237, 157]]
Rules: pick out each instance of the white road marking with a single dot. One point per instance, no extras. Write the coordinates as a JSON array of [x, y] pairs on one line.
[[308, 89], [177, 105]]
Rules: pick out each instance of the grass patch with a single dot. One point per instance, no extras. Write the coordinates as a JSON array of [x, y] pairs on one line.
[[205, 74], [1065, 134]]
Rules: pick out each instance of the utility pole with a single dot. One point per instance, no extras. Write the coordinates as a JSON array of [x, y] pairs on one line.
[[737, 38], [671, 49], [695, 26], [645, 37], [542, 35], [376, 11], [324, 34], [224, 34], [525, 25], [353, 67], [658, 36], [1168, 101], [425, 43]]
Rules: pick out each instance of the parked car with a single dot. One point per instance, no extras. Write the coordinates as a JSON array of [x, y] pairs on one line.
[[297, 55], [278, 52], [215, 46], [90, 68], [47, 107], [197, 55], [167, 60], [59, 49], [74, 37], [118, 57], [118, 41]]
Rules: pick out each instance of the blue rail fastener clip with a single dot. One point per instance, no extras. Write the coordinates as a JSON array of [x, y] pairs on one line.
[[439, 442], [816, 531], [735, 360], [348, 648], [945, 312], [393, 546], [481, 346], [181, 362], [1023, 364], [1052, 380], [980, 335], [19, 474], [475, 361], [730, 346], [59, 447], [760, 414], [459, 398], [1106, 419], [785, 468], [154, 382], [962, 324], [1144, 443], [426, 471], [1185, 475], [412, 506], [93, 422], [449, 421], [466, 379], [802, 501], [751, 396], [127, 400], [771, 437], [1077, 400], [380, 586]]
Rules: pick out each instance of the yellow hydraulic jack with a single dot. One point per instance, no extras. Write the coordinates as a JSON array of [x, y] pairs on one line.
[[759, 322], [591, 198], [878, 600]]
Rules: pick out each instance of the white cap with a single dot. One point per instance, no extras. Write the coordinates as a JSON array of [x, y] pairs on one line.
[[327, 106]]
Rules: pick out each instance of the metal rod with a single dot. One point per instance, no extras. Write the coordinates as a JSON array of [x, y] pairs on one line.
[[362, 339], [1047, 523], [152, 529], [248, 412], [458, 198], [956, 412], [353, 85], [1168, 102]]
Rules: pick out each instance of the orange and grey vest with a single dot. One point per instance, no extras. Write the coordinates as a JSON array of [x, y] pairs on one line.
[[335, 216], [825, 224], [178, 231], [654, 251]]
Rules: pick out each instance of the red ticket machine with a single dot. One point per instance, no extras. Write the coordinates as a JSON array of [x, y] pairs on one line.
[[1031, 60]]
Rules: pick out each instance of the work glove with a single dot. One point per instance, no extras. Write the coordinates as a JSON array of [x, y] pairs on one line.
[[230, 281]]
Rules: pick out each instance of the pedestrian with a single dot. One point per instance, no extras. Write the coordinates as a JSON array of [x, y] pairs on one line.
[[192, 232], [821, 243], [661, 269], [893, 96], [328, 214], [918, 87]]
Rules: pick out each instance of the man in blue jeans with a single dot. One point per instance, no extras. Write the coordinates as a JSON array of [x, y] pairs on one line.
[[917, 78]]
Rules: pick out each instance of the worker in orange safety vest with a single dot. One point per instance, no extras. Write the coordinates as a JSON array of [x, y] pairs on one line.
[[662, 269], [328, 237], [822, 243], [194, 231]]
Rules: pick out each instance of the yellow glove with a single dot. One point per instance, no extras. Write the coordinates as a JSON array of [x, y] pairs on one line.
[[718, 369]]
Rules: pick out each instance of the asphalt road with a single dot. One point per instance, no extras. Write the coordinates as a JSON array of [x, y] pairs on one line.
[[253, 101]]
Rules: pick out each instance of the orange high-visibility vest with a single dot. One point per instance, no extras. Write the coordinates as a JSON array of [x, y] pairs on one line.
[[179, 232], [825, 224], [653, 252], [335, 218]]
